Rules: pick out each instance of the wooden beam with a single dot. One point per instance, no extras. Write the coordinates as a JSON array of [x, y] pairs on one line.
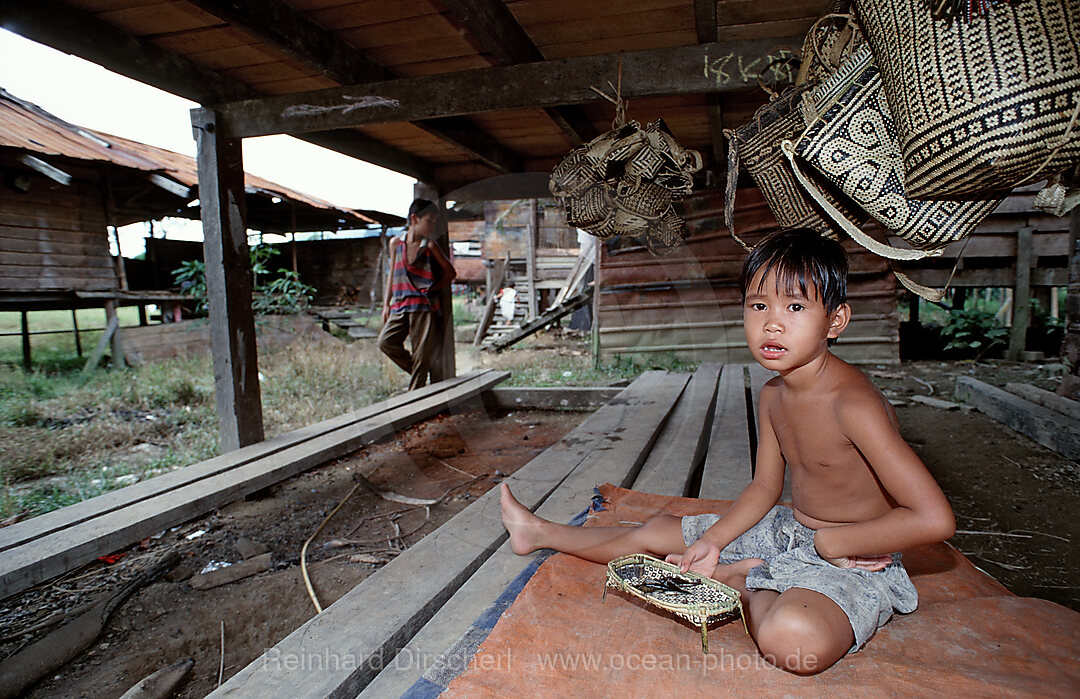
[[705, 23], [279, 25], [73, 31], [228, 284], [1021, 315], [53, 173], [680, 449], [1043, 425], [496, 275], [550, 397], [727, 463], [1070, 350], [494, 30], [27, 359], [716, 67]]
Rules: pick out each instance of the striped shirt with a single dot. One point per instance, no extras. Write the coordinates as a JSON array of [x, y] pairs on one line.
[[409, 282]]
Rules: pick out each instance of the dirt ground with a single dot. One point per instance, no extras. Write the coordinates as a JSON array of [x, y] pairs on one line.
[[1014, 502], [460, 456]]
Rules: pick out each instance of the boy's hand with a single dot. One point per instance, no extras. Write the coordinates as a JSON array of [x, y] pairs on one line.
[[385, 313], [702, 557], [870, 563]]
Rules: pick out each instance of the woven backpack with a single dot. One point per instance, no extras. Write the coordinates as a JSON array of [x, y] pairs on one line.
[[851, 141], [984, 100]]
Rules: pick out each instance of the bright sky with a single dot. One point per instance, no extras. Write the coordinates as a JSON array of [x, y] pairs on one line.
[[86, 94]]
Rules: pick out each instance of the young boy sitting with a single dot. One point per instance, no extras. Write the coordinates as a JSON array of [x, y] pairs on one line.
[[817, 579]]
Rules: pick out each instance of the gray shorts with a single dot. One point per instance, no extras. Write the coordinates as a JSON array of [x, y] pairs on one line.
[[787, 545]]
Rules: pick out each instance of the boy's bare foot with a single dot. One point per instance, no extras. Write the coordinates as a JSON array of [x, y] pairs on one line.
[[519, 521]]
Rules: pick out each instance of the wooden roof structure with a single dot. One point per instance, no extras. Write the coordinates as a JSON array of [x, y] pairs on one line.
[[151, 182], [477, 99], [452, 92]]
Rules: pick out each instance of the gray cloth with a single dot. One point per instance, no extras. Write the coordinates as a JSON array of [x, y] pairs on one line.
[[787, 546]]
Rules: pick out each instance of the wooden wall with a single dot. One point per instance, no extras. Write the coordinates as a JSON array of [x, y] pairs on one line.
[[342, 270], [688, 303], [53, 237]]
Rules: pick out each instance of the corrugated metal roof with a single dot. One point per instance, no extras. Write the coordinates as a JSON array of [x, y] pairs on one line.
[[28, 127]]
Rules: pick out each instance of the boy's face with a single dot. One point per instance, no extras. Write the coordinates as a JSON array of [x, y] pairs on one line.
[[785, 331], [423, 226]]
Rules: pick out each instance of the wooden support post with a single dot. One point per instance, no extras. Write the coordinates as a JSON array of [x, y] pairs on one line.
[[1070, 350], [142, 314], [228, 283], [99, 349], [1022, 295], [443, 365], [530, 259], [597, 252], [75, 326], [26, 359], [112, 318]]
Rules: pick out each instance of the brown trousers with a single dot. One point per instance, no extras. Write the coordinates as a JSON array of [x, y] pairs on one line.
[[423, 330]]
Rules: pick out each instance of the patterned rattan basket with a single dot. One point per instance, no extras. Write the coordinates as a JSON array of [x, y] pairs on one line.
[[696, 598]]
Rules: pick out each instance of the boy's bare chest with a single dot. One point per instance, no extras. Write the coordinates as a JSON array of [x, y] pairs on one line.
[[810, 436]]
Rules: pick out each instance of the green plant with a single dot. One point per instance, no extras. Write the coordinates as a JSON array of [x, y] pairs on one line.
[[972, 332], [285, 294], [191, 277]]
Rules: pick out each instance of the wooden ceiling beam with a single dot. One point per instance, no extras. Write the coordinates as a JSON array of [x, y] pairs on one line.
[[493, 29], [707, 68], [301, 38], [706, 21], [67, 29]]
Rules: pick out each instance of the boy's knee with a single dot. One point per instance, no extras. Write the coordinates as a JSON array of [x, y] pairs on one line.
[[795, 640]]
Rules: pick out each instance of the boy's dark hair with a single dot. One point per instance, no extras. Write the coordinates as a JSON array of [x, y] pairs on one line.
[[422, 207], [801, 257]]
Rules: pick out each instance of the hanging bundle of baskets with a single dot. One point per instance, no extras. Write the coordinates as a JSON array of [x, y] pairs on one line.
[[624, 182]]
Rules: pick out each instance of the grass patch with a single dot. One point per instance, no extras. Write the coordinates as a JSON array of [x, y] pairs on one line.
[[65, 437]]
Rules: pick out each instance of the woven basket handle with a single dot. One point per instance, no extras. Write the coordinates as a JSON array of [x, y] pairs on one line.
[[882, 249], [732, 186]]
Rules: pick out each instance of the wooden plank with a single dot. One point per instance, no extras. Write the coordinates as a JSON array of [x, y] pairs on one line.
[[680, 449], [68, 548], [99, 349], [727, 463], [1066, 406], [497, 276], [550, 316], [550, 397], [1021, 315], [448, 627], [371, 623], [663, 71], [1047, 427], [50, 522]]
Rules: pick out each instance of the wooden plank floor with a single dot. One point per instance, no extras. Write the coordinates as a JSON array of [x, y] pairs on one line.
[[370, 624]]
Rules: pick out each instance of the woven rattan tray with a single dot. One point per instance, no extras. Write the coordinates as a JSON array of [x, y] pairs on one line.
[[691, 596]]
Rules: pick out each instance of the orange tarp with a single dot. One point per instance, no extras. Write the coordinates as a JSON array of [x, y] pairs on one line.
[[969, 637]]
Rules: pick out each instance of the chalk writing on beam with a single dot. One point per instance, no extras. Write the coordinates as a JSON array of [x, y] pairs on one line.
[[362, 102], [777, 65], [718, 67]]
